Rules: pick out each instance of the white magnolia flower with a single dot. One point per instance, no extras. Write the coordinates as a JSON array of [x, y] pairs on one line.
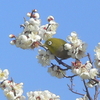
[[42, 95], [56, 71], [3, 74], [44, 57]]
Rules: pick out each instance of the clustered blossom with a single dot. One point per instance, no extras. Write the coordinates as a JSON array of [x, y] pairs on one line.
[[56, 71], [12, 90], [76, 47], [97, 56], [33, 32], [42, 95], [44, 57], [47, 31], [85, 71]]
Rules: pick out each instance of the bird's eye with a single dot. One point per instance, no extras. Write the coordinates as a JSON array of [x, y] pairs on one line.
[[49, 43]]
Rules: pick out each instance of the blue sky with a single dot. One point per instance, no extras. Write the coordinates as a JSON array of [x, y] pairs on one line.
[[82, 16]]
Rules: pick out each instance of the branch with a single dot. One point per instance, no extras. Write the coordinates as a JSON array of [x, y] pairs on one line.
[[90, 59], [96, 89], [96, 80], [71, 88], [88, 95], [69, 76], [96, 93], [60, 62]]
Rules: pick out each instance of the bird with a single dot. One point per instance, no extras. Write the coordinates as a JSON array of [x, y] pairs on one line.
[[56, 47]]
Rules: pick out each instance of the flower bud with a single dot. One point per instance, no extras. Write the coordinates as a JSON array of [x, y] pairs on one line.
[[36, 15], [29, 14], [50, 18], [12, 36], [13, 42], [35, 10]]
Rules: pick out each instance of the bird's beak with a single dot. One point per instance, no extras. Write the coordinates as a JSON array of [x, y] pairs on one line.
[[44, 46]]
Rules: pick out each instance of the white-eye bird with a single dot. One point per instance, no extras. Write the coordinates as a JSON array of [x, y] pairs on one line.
[[56, 47]]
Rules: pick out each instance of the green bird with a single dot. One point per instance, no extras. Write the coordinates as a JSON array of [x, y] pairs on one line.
[[56, 47]]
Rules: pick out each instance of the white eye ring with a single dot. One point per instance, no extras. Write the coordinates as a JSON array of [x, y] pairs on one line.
[[49, 42]]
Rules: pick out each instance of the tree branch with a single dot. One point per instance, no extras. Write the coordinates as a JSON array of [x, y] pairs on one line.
[[60, 62], [96, 93], [88, 95], [69, 76], [90, 59]]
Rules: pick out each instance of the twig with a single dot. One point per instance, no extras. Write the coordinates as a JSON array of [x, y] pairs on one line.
[[59, 67], [90, 59], [96, 93], [60, 62], [74, 91], [96, 89], [97, 81], [88, 95], [69, 76], [48, 26], [71, 88]]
